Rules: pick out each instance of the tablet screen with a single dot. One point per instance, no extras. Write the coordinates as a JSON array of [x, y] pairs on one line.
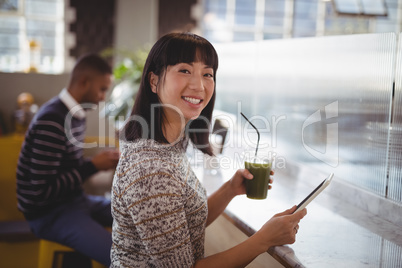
[[314, 193]]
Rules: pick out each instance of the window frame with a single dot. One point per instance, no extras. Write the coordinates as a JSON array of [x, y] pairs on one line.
[[23, 63]]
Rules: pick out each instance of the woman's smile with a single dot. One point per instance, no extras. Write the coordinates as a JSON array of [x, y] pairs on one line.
[[193, 100]]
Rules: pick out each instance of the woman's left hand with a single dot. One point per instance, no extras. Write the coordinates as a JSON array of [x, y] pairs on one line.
[[237, 181]]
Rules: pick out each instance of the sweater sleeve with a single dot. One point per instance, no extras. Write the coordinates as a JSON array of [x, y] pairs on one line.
[[56, 169], [156, 205], [86, 169]]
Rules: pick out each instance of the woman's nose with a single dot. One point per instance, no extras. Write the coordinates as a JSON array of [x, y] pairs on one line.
[[197, 82]]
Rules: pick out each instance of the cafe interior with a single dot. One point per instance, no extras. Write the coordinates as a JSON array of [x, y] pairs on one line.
[[320, 79]]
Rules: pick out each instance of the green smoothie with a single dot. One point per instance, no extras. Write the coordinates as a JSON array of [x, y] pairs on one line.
[[257, 188]]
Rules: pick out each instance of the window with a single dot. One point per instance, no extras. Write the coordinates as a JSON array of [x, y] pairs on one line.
[[249, 20], [304, 18], [32, 36], [243, 20], [361, 7], [245, 12]]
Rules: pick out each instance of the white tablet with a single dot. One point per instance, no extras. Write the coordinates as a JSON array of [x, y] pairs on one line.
[[314, 193]]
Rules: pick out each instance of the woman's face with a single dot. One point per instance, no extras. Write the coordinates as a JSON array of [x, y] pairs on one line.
[[187, 87]]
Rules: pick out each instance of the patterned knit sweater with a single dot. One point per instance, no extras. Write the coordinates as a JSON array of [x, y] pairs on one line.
[[159, 207]]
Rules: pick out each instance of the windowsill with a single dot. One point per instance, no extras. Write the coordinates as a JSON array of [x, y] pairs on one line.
[[334, 233]]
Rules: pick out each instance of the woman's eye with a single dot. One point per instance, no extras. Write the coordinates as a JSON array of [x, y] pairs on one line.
[[185, 71], [209, 75]]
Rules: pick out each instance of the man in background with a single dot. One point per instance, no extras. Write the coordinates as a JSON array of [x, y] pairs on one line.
[[51, 167]]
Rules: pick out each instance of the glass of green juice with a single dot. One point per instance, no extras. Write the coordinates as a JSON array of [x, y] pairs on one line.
[[260, 167]]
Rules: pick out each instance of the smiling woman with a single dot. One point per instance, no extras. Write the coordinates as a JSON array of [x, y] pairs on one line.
[[185, 64], [159, 206]]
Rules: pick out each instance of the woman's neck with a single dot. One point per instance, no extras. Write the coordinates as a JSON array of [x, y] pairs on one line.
[[173, 131]]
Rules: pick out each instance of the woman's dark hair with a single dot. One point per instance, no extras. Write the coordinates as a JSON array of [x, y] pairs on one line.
[[171, 49]]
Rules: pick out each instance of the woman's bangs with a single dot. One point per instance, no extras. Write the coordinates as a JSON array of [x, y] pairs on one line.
[[207, 55], [190, 50]]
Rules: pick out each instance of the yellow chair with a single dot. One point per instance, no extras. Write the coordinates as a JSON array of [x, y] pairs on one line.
[[37, 251], [10, 147], [49, 255], [15, 241]]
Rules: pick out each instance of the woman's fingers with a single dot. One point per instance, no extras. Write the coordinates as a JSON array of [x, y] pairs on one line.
[[246, 174], [286, 212]]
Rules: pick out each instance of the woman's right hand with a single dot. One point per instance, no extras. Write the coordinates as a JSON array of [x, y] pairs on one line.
[[281, 229]]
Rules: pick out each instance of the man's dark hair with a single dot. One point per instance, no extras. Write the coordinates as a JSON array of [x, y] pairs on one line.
[[90, 63]]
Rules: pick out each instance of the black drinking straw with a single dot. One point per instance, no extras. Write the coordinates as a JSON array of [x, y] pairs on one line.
[[258, 133]]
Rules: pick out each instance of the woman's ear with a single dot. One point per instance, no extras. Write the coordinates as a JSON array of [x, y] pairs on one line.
[[153, 81]]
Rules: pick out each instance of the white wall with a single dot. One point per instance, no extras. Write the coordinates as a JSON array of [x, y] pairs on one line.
[[42, 87], [136, 23]]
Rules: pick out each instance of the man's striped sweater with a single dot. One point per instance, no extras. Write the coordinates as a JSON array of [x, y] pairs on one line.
[[51, 166]]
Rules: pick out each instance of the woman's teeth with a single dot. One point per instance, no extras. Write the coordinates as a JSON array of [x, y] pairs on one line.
[[192, 100]]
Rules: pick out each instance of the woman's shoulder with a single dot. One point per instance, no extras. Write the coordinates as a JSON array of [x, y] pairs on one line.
[[142, 157], [142, 149], [151, 148], [145, 168]]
